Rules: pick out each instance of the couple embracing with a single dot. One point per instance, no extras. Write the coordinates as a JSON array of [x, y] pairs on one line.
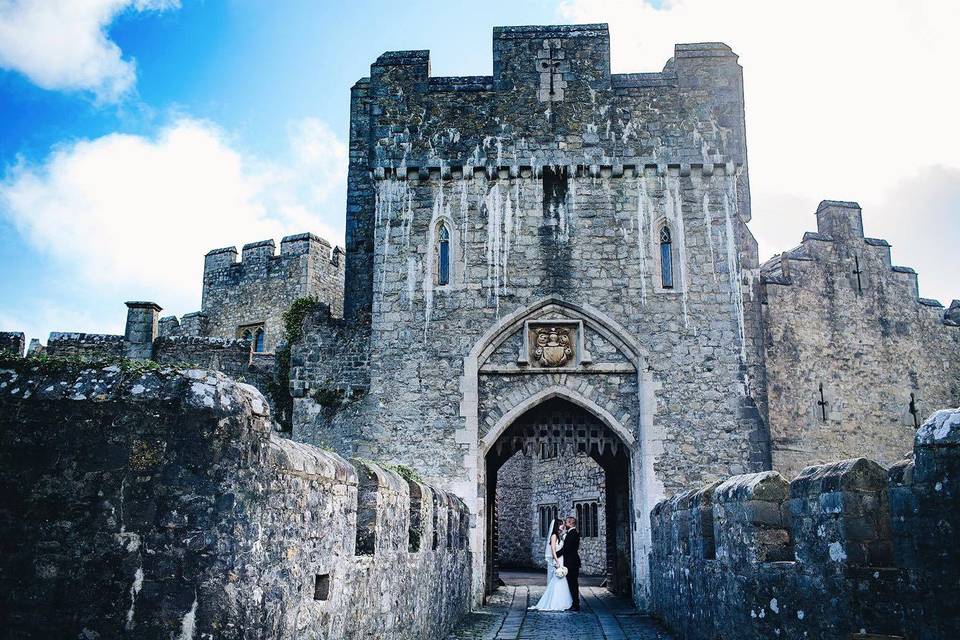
[[563, 568]]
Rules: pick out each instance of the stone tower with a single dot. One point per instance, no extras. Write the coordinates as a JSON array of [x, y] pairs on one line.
[[554, 239]]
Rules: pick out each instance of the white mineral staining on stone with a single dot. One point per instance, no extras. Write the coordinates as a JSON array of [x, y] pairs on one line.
[[800, 614], [134, 590], [203, 393], [643, 206], [499, 209], [412, 273], [137, 389], [440, 210], [708, 225], [774, 606], [943, 424], [464, 217], [733, 261], [189, 622], [837, 554]]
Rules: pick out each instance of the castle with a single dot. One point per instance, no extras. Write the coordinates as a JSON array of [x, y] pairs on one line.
[[550, 301]]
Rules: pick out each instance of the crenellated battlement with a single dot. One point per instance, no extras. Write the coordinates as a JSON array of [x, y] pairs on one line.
[[254, 254], [183, 465], [243, 297], [859, 263], [844, 548]]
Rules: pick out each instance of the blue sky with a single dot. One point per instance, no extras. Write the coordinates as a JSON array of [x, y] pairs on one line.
[[137, 134]]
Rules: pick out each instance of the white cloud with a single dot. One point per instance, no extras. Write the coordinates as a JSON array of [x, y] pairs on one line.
[[63, 44], [134, 215], [848, 100]]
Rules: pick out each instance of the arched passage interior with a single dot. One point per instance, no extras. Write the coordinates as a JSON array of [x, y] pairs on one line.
[[558, 427]]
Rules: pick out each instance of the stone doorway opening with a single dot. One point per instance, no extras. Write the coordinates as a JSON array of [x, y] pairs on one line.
[[559, 459]]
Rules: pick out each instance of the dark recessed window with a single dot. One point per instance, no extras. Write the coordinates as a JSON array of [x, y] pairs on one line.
[[666, 258], [443, 255], [321, 587]]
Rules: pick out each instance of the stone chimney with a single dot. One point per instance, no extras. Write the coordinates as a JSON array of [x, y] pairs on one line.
[[141, 329]]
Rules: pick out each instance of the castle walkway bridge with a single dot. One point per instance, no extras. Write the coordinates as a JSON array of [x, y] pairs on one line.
[[605, 616]]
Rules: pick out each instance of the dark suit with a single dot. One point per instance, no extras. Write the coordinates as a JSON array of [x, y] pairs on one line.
[[571, 560]]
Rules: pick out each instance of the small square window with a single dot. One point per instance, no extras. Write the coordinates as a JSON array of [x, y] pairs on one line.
[[321, 587]]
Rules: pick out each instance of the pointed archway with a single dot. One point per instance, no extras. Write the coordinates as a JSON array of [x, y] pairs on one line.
[[570, 431], [603, 373]]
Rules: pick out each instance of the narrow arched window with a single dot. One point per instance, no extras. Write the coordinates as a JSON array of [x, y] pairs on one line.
[[258, 340], [666, 258], [443, 255]]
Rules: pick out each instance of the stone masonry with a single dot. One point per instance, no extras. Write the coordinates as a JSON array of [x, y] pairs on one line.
[[840, 318], [159, 504], [553, 257], [846, 550], [526, 483], [553, 206], [255, 292]]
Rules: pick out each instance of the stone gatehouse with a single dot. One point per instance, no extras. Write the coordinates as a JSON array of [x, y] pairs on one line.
[[555, 236]]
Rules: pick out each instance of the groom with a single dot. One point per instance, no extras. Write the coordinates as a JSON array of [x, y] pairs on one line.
[[571, 560]]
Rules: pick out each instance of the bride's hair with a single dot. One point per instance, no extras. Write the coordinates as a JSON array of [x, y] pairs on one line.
[[556, 527]]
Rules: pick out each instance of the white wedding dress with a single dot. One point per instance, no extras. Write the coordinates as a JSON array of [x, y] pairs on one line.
[[557, 595]]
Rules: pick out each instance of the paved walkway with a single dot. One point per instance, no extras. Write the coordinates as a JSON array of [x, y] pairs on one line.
[[604, 616]]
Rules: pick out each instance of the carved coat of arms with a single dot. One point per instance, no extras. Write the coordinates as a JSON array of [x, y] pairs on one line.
[[552, 347]]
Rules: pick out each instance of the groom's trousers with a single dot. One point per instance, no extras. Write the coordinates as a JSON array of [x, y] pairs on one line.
[[573, 581]]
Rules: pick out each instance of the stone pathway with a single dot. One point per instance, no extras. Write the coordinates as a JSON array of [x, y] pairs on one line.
[[604, 616]]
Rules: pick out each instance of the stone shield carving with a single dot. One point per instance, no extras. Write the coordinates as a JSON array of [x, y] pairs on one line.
[[553, 347]]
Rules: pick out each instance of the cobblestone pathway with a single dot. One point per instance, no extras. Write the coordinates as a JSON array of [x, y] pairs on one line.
[[604, 616]]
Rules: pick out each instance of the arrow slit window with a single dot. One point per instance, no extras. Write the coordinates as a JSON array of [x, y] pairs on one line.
[[443, 254], [666, 257]]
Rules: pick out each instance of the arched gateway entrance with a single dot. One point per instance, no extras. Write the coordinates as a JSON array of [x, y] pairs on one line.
[[557, 435], [567, 377]]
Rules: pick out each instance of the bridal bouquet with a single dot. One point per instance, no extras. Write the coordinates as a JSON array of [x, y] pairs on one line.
[[560, 572]]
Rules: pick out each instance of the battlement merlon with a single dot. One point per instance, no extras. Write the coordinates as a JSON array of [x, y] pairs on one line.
[[263, 250], [840, 219], [552, 100]]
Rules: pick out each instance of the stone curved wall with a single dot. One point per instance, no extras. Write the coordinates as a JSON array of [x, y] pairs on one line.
[[159, 503]]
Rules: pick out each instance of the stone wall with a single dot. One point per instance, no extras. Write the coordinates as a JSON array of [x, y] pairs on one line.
[[259, 288], [837, 313], [12, 342], [516, 519], [527, 482], [158, 504], [845, 548], [232, 357], [91, 346]]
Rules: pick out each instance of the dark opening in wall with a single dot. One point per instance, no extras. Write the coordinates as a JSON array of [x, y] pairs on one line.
[[415, 533], [321, 587], [554, 191], [367, 486], [436, 521], [450, 528]]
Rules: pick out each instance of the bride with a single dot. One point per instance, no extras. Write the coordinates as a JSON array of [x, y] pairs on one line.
[[557, 595]]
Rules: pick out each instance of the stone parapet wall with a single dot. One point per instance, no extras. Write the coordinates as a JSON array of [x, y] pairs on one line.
[[12, 342], [232, 357], [159, 504], [91, 346], [845, 548]]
